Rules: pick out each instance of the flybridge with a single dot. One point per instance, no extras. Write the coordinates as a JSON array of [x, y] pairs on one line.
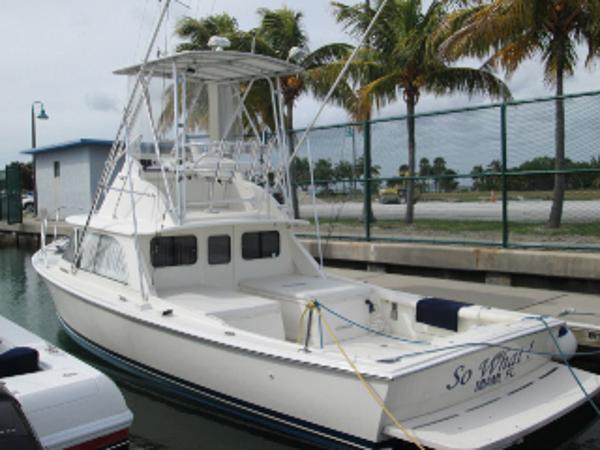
[[205, 92], [188, 118]]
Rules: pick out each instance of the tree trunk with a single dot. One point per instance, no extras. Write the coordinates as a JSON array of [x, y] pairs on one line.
[[291, 145], [559, 149], [410, 184]]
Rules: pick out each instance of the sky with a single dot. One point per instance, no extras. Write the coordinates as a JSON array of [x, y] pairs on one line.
[[63, 53]]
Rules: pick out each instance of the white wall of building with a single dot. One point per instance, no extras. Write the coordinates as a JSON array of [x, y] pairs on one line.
[[72, 190]]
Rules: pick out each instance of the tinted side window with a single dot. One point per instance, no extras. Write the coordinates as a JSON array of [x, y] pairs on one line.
[[251, 245], [269, 244], [263, 244], [166, 251], [219, 249]]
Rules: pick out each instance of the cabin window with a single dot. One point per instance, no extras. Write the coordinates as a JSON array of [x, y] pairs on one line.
[[103, 256], [56, 169], [262, 244], [168, 251], [219, 249]]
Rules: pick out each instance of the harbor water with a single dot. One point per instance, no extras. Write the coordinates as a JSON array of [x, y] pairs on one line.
[[165, 423]]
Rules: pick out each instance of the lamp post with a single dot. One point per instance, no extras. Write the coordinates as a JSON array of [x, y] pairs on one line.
[[42, 116]]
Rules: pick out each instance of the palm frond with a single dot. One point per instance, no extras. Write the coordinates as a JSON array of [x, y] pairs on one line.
[[327, 54], [282, 29], [590, 29], [383, 90], [448, 80], [510, 32]]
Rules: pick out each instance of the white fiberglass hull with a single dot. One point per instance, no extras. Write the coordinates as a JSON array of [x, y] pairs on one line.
[[305, 398], [68, 403], [274, 384]]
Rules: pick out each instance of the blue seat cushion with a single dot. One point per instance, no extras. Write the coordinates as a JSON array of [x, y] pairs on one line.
[[439, 312], [19, 361]]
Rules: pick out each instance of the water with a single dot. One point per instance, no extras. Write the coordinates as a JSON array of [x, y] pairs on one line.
[[162, 423]]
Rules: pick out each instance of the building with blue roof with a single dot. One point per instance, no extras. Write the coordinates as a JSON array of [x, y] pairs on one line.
[[66, 175]]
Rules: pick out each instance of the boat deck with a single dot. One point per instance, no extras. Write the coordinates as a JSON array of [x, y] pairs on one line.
[[216, 301], [376, 348], [580, 311]]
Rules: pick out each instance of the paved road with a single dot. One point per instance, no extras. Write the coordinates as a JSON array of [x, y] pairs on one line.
[[520, 211]]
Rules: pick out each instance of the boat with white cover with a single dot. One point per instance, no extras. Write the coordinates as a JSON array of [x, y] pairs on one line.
[[51, 400], [187, 271]]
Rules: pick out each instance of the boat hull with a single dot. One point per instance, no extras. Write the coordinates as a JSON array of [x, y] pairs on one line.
[[68, 404], [317, 404], [270, 391]]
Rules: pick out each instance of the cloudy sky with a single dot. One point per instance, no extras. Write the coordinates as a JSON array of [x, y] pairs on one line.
[[63, 52]]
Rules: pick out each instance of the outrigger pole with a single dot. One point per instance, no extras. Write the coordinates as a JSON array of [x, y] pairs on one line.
[[117, 146]]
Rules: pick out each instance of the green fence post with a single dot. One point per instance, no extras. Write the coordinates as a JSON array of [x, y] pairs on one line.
[[503, 137], [367, 211], [2, 193]]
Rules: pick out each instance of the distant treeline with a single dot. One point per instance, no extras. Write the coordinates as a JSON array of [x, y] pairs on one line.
[[538, 181], [335, 176]]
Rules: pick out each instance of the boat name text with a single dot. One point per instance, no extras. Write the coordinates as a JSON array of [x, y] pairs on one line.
[[492, 370]]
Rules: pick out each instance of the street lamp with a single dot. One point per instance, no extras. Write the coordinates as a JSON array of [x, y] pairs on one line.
[[42, 116]]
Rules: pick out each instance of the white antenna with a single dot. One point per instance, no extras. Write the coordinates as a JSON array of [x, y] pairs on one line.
[[219, 43]]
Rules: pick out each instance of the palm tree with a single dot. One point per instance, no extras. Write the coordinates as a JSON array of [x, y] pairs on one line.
[[279, 32], [517, 30], [439, 168], [403, 58], [197, 32]]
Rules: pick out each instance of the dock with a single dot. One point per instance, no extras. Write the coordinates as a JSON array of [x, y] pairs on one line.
[[30, 228]]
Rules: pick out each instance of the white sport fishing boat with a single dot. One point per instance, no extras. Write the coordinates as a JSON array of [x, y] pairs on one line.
[[187, 270], [51, 400]]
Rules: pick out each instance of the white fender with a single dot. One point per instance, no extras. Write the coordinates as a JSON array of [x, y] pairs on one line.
[[567, 342]]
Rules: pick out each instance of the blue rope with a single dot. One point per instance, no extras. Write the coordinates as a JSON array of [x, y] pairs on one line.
[[449, 347], [470, 344], [579, 383], [368, 329], [320, 329]]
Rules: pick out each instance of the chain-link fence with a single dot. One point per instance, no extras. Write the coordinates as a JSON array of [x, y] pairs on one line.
[[484, 175]]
